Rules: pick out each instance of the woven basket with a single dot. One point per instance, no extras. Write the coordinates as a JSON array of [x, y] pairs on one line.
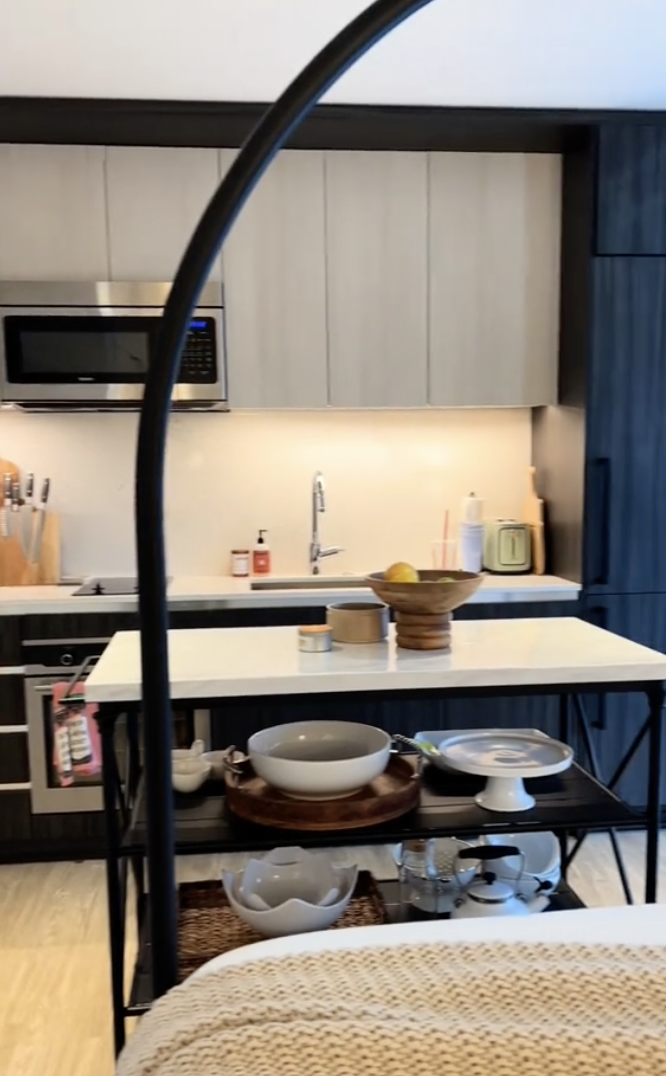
[[208, 925]]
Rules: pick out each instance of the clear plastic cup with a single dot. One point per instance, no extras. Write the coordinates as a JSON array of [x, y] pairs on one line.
[[445, 554]]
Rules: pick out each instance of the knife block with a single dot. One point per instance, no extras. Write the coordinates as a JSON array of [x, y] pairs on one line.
[[16, 570]]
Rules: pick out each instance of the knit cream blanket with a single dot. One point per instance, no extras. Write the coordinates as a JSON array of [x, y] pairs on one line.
[[420, 1010]]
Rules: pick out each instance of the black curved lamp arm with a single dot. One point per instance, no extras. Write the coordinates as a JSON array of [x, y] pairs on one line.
[[268, 136]]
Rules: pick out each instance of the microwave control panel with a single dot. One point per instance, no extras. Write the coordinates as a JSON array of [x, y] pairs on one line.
[[198, 364]]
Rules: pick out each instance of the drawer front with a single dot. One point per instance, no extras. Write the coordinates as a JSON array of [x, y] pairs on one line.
[[14, 767], [12, 706]]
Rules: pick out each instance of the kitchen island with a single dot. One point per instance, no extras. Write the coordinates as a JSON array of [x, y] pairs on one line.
[[563, 657], [48, 631]]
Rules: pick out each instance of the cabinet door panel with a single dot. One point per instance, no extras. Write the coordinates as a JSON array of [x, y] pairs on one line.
[[641, 618], [376, 257], [52, 213], [625, 488], [494, 238], [155, 198], [631, 190], [275, 287]]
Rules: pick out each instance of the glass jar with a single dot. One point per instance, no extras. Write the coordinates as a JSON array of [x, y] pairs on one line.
[[428, 884], [240, 562]]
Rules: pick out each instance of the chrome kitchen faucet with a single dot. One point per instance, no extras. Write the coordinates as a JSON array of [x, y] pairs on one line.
[[319, 505]]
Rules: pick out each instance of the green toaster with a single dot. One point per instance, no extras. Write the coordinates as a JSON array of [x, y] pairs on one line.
[[507, 546]]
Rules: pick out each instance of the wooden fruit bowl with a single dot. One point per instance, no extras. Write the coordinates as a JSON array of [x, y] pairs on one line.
[[422, 610]]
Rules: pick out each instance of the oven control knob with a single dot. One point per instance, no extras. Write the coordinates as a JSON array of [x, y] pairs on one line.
[[66, 659]]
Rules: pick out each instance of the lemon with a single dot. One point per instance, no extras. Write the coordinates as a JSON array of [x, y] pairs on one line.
[[401, 573]]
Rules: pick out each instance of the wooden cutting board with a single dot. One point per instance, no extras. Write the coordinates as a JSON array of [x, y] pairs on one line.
[[393, 793], [533, 514]]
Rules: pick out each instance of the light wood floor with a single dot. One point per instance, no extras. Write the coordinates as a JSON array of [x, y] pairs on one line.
[[55, 1014]]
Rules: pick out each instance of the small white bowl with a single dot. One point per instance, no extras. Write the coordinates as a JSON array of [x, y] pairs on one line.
[[188, 774], [319, 760], [290, 891], [216, 760]]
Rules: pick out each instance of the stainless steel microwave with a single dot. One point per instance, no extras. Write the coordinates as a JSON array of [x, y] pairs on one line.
[[86, 346]]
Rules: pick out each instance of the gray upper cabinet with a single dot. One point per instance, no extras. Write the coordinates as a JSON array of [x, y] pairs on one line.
[[494, 242], [275, 289], [52, 213], [376, 257], [155, 198]]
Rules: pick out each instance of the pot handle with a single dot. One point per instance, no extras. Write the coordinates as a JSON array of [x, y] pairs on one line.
[[489, 851], [486, 852]]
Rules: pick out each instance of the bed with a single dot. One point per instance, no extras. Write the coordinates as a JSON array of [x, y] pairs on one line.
[[581, 991]]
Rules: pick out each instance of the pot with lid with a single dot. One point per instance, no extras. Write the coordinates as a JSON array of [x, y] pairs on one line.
[[487, 894]]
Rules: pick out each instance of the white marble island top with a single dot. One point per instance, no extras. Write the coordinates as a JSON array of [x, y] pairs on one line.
[[211, 592], [211, 663]]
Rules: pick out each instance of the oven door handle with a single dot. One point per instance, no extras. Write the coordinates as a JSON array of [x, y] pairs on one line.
[[83, 669]]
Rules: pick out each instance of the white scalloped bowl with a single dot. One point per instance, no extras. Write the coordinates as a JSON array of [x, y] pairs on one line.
[[290, 891]]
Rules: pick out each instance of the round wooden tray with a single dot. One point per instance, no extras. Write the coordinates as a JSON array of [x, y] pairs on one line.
[[390, 795]]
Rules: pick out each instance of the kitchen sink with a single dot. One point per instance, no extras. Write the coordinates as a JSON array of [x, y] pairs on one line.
[[310, 582]]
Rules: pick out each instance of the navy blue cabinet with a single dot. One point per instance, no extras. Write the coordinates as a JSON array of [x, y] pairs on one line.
[[631, 190], [625, 482], [641, 618]]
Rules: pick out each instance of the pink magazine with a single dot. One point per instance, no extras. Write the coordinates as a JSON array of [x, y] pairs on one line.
[[77, 747]]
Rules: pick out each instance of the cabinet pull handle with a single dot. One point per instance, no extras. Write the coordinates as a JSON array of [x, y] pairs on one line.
[[601, 509]]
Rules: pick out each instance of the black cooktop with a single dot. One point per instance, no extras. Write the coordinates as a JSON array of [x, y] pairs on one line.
[[107, 586]]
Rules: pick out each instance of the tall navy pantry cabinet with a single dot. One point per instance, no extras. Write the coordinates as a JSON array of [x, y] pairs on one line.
[[613, 377]]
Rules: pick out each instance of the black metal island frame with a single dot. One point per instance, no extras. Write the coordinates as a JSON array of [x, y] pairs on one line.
[[564, 657]]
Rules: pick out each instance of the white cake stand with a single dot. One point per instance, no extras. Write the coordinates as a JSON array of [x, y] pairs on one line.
[[506, 759]]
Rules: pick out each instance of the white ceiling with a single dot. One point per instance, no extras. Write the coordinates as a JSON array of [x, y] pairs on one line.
[[532, 53]]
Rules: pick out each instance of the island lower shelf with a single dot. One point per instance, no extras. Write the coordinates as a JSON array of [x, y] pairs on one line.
[[568, 801], [141, 995]]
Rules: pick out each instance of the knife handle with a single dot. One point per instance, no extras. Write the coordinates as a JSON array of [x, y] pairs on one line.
[[16, 496], [7, 488], [29, 487], [45, 490]]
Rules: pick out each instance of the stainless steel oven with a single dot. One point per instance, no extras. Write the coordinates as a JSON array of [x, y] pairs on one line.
[[88, 346]]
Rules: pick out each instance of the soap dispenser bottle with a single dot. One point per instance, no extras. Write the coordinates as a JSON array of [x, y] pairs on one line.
[[261, 556]]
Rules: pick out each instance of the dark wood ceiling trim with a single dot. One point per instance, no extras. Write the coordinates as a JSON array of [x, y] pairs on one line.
[[90, 121]]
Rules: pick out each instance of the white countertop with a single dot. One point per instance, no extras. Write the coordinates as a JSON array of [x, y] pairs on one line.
[[225, 592], [210, 663]]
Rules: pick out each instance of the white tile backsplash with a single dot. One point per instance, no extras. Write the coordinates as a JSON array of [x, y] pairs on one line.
[[389, 476]]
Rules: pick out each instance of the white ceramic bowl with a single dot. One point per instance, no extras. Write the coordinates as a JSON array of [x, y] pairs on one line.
[[188, 774], [290, 891], [319, 760]]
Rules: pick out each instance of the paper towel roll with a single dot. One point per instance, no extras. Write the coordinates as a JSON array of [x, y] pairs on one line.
[[471, 509]]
